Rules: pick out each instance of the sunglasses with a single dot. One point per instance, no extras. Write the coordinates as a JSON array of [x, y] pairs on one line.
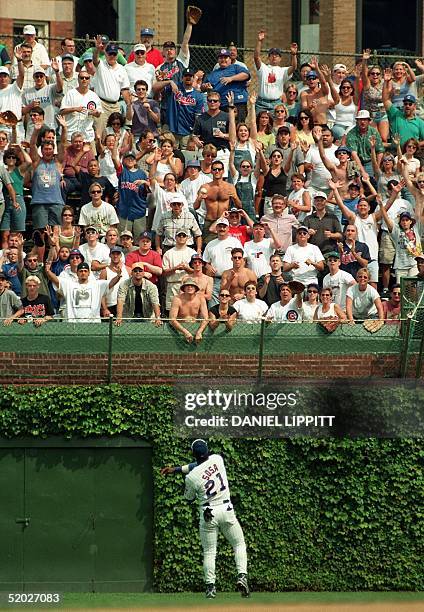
[[217, 169], [396, 292], [280, 111], [209, 100], [408, 103], [141, 89], [91, 231], [224, 295], [375, 73], [3, 138], [67, 215], [312, 291], [10, 157], [237, 257], [246, 167], [74, 256], [95, 191], [302, 233], [140, 52], [84, 78], [30, 259]]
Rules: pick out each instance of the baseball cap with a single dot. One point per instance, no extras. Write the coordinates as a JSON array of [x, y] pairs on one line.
[[235, 210], [196, 257], [339, 67], [283, 128], [302, 227], [105, 38], [222, 221], [112, 48], [320, 194], [188, 72], [176, 198], [363, 114], [223, 52], [87, 56], [139, 47], [2, 275], [129, 154], [76, 252], [406, 215], [147, 32], [92, 227], [169, 44], [39, 70], [29, 29], [68, 56], [190, 281], [193, 163], [275, 51], [137, 264], [116, 249], [344, 149], [126, 233], [181, 232], [312, 75], [200, 448], [146, 235], [4, 70], [353, 186], [83, 266], [335, 254], [410, 98]]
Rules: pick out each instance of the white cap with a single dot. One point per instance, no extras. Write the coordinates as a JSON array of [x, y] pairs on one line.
[[363, 114], [139, 47], [4, 70], [177, 197], [222, 221], [339, 67], [320, 194], [39, 70], [29, 29]]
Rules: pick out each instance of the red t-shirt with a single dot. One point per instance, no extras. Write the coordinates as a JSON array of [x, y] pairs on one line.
[[154, 56], [240, 232], [152, 257]]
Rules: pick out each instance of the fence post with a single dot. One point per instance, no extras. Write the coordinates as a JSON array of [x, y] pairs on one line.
[[405, 348], [109, 352], [261, 351], [420, 358]]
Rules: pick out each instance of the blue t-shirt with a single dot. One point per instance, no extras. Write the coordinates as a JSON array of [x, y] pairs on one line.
[[10, 270], [239, 88], [352, 205], [132, 198], [183, 107]]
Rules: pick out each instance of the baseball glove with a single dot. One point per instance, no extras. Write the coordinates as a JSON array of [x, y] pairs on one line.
[[296, 286], [372, 325], [193, 14], [208, 515], [8, 118], [329, 326]]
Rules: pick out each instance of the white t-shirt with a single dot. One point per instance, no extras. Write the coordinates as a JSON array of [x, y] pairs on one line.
[[99, 253], [399, 206], [290, 313], [271, 81], [11, 99], [339, 284], [304, 273], [46, 96], [250, 312], [404, 257], [145, 73], [83, 301], [108, 81], [363, 305], [367, 232], [190, 189], [320, 174], [218, 253], [258, 254], [112, 294], [101, 217], [81, 122], [161, 200], [297, 196], [208, 483]]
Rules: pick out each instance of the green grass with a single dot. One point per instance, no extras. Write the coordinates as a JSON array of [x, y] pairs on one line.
[[195, 600]]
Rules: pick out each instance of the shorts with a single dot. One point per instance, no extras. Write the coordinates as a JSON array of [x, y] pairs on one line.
[[13, 219], [379, 116], [373, 271], [386, 254], [46, 214]]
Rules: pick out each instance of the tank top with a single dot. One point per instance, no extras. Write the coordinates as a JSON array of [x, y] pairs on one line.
[[345, 115], [46, 184], [275, 184], [17, 181], [325, 315], [297, 196], [372, 98], [107, 167], [400, 90]]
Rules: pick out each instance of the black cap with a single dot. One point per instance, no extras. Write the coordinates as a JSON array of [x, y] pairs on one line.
[[83, 266], [188, 72]]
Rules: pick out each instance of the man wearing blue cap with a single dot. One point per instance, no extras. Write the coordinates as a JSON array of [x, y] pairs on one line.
[[272, 77], [403, 122], [153, 56], [207, 484]]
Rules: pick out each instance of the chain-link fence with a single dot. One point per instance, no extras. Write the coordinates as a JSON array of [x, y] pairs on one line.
[[60, 351], [412, 312]]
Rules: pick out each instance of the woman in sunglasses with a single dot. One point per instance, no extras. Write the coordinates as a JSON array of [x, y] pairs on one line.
[[372, 83], [245, 180], [17, 162], [243, 135], [345, 99], [223, 312], [386, 172], [115, 125], [303, 128], [311, 303]]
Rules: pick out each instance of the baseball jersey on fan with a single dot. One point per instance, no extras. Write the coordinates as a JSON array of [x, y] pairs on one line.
[[183, 107], [81, 122], [207, 483], [172, 71], [290, 313]]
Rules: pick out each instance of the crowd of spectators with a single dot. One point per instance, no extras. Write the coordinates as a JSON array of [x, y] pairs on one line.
[[147, 189]]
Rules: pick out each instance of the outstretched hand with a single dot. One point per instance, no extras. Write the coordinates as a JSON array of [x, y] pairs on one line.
[[167, 470]]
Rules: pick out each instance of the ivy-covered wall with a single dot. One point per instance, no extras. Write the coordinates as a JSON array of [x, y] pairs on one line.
[[317, 514]]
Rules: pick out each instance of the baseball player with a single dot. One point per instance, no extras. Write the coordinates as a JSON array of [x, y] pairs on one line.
[[206, 483]]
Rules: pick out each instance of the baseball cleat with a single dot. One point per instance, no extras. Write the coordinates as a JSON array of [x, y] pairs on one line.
[[242, 585], [210, 591]]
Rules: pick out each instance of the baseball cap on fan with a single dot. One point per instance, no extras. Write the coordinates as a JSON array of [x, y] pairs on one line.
[[29, 29]]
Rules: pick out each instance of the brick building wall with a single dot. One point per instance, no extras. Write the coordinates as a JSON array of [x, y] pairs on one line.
[[130, 368], [337, 26]]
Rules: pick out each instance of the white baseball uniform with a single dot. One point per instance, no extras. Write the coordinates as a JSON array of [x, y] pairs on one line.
[[207, 483]]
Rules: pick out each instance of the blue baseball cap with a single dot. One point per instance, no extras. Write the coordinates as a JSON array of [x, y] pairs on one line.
[[311, 75], [223, 53], [112, 48], [87, 57], [410, 98], [193, 163], [147, 235], [275, 51], [147, 32], [116, 249], [343, 150]]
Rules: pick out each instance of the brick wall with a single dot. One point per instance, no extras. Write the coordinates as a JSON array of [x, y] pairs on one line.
[[337, 25], [133, 368]]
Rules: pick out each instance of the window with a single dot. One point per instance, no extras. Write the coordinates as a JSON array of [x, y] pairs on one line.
[[41, 28]]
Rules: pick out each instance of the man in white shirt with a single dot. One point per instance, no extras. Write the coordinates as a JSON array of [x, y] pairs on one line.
[[140, 69], [97, 213], [195, 179], [80, 106], [40, 56], [176, 265], [272, 77], [94, 252], [314, 167], [289, 308], [338, 280], [11, 94], [110, 82], [43, 95], [249, 309], [259, 250], [217, 256], [303, 260]]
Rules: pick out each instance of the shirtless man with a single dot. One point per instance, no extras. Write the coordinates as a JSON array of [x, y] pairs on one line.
[[339, 173], [216, 195], [190, 305], [204, 281], [236, 277], [315, 98]]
